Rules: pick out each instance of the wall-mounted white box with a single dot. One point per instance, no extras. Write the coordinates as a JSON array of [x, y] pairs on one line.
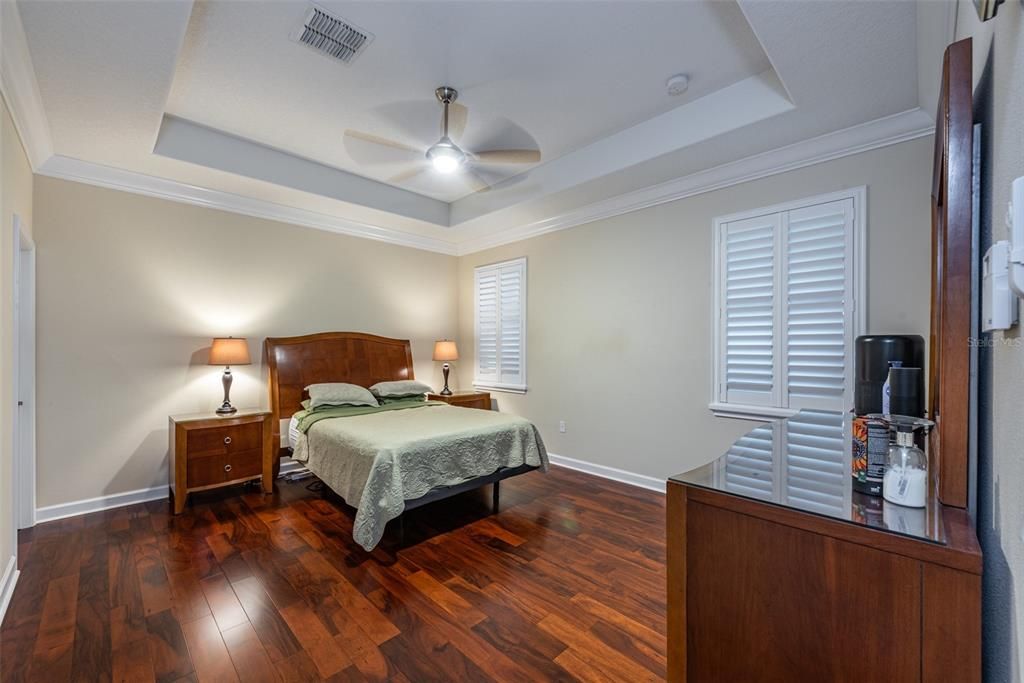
[[998, 303]]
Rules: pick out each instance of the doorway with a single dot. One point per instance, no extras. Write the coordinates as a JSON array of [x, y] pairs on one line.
[[24, 379]]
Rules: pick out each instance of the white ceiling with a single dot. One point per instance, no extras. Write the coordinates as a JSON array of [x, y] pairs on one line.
[[216, 95], [553, 76]]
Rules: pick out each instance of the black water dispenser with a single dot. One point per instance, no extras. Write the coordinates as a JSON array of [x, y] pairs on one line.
[[875, 355]]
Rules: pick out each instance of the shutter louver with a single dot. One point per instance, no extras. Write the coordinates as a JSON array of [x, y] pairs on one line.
[[511, 325], [818, 251], [748, 324], [500, 294], [816, 468], [748, 465], [487, 325]]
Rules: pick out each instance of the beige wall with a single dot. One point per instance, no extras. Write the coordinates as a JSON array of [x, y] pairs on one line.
[[131, 289], [999, 107], [15, 198], [619, 310]]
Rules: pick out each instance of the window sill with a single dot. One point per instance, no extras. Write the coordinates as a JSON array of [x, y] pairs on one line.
[[501, 388], [757, 413]]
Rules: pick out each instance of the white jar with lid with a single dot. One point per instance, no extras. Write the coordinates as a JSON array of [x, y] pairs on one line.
[[906, 477]]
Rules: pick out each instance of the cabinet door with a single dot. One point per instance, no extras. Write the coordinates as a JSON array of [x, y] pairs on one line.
[[766, 602]]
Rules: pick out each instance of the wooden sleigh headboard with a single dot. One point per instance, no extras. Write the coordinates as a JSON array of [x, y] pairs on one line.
[[353, 357]]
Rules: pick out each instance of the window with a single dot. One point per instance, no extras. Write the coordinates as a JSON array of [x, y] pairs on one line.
[[786, 286], [499, 295]]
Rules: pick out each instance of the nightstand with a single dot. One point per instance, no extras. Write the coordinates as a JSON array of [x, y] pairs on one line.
[[465, 399], [208, 451]]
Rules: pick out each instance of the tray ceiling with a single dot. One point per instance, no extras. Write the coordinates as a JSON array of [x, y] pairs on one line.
[[218, 95]]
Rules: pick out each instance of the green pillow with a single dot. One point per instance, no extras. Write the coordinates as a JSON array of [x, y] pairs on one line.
[[400, 389], [339, 394]]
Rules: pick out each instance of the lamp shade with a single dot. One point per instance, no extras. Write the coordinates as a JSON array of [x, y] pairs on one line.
[[445, 350], [229, 351]]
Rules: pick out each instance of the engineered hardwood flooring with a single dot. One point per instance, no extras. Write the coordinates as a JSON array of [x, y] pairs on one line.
[[566, 583]]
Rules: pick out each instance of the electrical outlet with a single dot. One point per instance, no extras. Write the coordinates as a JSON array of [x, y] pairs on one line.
[[561, 426]]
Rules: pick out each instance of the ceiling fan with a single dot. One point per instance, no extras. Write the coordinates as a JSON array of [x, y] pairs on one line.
[[445, 156]]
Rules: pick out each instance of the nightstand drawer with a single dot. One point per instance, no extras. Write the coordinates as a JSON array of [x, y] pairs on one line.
[[206, 471], [478, 402], [211, 470], [245, 464], [224, 440]]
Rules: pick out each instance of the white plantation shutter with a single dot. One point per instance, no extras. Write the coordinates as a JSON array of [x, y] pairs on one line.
[[748, 465], [748, 311], [487, 325], [500, 298], [784, 296], [815, 465], [818, 276]]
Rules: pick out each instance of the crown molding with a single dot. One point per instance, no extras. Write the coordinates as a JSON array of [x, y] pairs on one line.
[[20, 89], [889, 130], [68, 168]]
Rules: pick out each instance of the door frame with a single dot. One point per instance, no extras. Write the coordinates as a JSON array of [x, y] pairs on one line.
[[23, 405]]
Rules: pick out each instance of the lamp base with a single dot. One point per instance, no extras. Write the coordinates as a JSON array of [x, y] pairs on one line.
[[444, 370], [226, 408]]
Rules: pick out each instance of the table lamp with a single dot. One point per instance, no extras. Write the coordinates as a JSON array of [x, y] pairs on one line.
[[228, 351], [445, 350]]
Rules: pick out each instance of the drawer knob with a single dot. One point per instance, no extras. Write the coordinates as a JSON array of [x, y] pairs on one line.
[[227, 468], [227, 439]]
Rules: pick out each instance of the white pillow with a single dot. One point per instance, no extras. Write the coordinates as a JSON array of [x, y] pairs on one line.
[[339, 394], [405, 387]]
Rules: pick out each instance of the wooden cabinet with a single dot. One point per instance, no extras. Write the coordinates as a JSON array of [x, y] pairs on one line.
[[207, 451], [465, 399], [761, 592]]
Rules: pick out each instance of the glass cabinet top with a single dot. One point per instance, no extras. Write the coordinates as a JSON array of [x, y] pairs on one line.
[[803, 463]]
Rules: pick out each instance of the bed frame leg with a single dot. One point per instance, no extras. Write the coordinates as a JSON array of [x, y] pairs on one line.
[[495, 497]]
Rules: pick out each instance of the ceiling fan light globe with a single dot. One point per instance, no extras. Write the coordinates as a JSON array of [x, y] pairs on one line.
[[446, 157], [445, 164]]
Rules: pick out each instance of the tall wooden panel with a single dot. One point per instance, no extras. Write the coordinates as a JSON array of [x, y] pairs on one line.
[[949, 367]]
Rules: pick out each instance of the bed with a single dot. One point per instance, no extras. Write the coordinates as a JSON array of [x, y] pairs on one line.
[[385, 462]]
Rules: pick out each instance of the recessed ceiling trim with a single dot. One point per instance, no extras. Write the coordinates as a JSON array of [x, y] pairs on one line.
[[736, 106], [882, 132], [67, 168], [194, 143], [889, 130]]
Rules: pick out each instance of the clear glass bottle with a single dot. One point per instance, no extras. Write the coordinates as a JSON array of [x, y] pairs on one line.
[[906, 475]]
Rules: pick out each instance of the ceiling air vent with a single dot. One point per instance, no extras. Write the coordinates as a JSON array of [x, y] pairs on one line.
[[332, 35]]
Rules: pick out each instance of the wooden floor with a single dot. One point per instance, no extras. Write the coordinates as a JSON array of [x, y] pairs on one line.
[[566, 583]]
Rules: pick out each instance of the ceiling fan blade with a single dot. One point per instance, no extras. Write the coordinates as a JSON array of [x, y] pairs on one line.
[[406, 176], [476, 181], [386, 142], [457, 115], [508, 156]]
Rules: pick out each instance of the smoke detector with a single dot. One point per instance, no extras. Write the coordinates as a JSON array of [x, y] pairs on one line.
[[332, 35], [677, 85]]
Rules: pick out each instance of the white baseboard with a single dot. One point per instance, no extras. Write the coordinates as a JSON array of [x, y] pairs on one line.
[[117, 500], [7, 583], [613, 473]]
